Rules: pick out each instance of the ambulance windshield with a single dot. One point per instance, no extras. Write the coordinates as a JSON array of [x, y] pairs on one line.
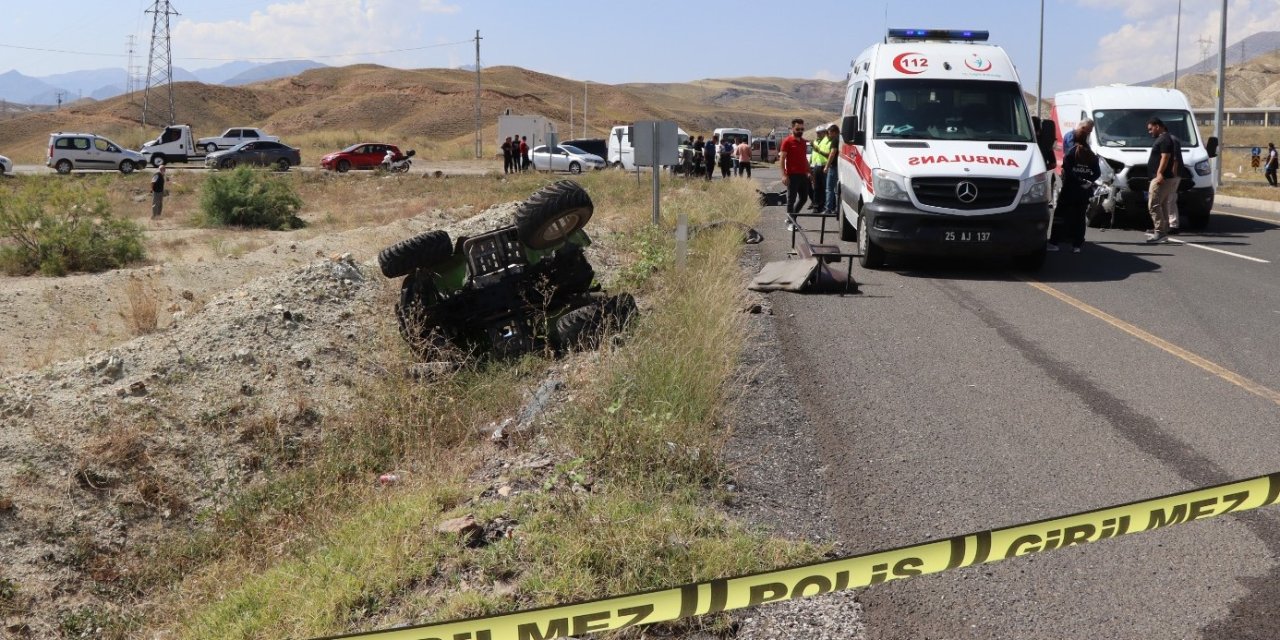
[[920, 109], [1128, 127]]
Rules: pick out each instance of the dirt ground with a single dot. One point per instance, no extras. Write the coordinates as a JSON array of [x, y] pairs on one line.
[[111, 436]]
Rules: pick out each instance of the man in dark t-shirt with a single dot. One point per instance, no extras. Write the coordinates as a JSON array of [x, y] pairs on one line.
[[506, 155], [1164, 166]]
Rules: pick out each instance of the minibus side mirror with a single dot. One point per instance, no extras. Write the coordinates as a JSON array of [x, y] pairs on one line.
[[1211, 145], [851, 132]]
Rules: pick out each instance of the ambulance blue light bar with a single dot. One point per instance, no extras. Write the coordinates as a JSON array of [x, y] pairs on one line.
[[939, 34]]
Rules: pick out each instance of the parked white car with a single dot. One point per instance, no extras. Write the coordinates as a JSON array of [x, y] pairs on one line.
[[232, 137], [564, 158], [69, 151], [6, 166]]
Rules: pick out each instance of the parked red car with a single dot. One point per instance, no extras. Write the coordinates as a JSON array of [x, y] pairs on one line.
[[365, 155]]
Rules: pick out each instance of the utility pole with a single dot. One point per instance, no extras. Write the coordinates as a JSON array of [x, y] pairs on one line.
[[570, 115], [60, 95], [160, 60], [1206, 44], [584, 108], [1222, 88], [1040, 73], [128, 69], [479, 140], [1177, 44]]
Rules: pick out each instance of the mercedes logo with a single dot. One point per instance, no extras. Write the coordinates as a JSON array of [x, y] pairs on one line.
[[967, 192]]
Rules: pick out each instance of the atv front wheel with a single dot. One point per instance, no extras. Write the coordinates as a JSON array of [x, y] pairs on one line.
[[419, 252]]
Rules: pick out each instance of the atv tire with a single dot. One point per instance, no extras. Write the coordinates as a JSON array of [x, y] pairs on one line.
[[586, 326], [419, 252], [552, 213], [568, 271], [418, 325]]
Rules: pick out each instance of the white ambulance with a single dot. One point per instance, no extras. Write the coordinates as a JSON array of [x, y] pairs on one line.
[[1120, 114], [940, 154]]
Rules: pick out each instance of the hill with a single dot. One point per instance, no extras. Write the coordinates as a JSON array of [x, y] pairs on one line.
[[436, 104], [1255, 83], [1239, 53]]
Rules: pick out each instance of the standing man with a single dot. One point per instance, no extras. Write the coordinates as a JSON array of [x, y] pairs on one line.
[[1082, 131], [726, 157], [157, 193], [833, 169], [743, 153], [709, 155], [795, 167], [524, 153], [818, 166], [1273, 163], [1164, 166], [506, 156]]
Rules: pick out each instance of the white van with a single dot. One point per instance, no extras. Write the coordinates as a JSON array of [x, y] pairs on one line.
[[939, 153], [622, 154], [1120, 114]]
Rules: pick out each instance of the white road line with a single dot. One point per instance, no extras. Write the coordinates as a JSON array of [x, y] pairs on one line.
[[1215, 250], [1241, 215]]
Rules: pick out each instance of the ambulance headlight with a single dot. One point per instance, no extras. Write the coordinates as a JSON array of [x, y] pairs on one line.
[[889, 185], [1036, 189], [1202, 168]]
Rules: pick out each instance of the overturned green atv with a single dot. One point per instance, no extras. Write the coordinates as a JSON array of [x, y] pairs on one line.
[[522, 288]]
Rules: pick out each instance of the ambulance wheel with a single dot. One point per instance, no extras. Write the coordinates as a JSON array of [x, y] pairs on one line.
[[847, 232], [870, 254]]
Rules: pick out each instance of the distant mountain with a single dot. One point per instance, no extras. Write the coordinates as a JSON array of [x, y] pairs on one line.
[[1254, 46], [86, 83], [223, 72], [16, 87], [101, 84], [272, 71]]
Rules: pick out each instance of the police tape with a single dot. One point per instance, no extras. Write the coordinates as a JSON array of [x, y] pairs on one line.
[[725, 594]]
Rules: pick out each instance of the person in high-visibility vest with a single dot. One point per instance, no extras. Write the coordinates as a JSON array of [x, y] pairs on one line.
[[818, 165]]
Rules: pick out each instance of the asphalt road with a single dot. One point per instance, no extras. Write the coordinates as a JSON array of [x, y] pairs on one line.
[[955, 396]]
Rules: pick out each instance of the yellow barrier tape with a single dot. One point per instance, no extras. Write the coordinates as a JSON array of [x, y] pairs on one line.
[[725, 594]]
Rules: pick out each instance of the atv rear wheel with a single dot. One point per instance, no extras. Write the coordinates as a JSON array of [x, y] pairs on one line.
[[552, 213], [586, 326], [418, 325], [419, 252]]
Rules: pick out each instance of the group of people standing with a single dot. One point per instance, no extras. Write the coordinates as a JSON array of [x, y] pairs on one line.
[[732, 155], [1081, 169], [810, 171], [515, 154]]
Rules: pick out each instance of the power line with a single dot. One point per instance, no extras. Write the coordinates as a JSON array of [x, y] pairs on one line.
[[250, 59]]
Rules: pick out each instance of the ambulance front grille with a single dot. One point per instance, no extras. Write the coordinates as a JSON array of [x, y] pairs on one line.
[[944, 193]]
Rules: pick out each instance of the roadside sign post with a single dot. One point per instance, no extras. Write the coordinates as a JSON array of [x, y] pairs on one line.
[[551, 140], [619, 136], [682, 238], [654, 140]]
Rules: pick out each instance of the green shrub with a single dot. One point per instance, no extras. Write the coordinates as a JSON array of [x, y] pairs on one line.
[[59, 226], [250, 198]]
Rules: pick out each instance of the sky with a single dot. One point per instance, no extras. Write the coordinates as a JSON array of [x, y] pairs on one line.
[[1086, 42]]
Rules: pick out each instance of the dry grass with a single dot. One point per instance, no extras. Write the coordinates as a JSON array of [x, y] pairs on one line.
[[141, 310], [315, 548]]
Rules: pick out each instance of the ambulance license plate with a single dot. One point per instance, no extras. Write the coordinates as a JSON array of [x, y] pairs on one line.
[[967, 235]]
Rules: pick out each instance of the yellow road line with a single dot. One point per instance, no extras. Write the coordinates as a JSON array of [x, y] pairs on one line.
[[1179, 352]]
